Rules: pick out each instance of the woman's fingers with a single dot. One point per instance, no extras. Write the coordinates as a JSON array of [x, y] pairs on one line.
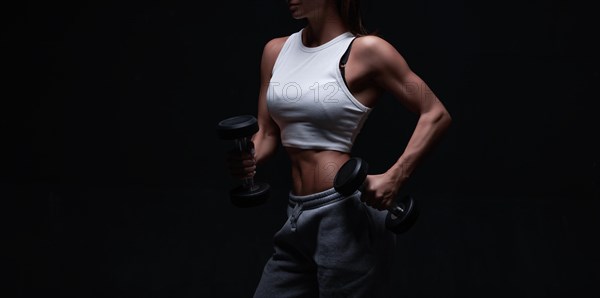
[[373, 200], [241, 165]]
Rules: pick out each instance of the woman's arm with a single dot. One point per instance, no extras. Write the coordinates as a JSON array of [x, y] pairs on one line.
[[392, 73], [266, 140]]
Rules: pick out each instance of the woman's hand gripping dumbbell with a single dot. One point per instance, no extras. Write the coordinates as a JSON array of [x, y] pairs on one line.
[[240, 129], [351, 177]]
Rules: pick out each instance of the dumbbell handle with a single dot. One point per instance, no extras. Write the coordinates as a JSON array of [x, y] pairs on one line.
[[245, 145], [396, 210]]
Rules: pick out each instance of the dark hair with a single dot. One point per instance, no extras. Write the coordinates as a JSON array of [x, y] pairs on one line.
[[351, 15]]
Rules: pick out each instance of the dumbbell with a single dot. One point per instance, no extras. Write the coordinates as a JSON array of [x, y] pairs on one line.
[[350, 178], [240, 129]]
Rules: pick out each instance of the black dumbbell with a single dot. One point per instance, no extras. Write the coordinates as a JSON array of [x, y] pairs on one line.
[[240, 129], [350, 178]]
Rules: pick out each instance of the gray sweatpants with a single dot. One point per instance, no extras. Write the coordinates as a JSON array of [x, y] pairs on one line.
[[330, 246]]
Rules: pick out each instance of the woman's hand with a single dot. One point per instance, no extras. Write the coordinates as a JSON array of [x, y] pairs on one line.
[[241, 164], [380, 190]]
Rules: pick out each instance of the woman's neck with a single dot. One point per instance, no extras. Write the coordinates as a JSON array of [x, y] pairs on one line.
[[321, 30]]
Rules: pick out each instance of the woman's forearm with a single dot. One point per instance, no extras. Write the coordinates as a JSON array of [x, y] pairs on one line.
[[428, 131], [265, 146]]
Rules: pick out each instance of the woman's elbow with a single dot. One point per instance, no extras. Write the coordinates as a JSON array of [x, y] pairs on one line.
[[439, 116], [446, 118]]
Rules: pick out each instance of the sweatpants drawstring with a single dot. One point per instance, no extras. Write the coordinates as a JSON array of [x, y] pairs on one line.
[[295, 214]]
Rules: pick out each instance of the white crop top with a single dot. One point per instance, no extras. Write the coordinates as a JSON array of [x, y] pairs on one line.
[[308, 98]]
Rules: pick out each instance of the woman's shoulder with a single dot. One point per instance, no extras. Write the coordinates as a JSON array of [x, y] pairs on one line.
[[271, 51], [372, 44], [276, 41], [375, 50], [273, 46]]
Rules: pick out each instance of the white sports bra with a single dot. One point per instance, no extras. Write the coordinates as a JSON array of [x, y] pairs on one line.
[[308, 98]]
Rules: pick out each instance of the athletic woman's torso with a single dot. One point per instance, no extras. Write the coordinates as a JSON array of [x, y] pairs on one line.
[[313, 169]]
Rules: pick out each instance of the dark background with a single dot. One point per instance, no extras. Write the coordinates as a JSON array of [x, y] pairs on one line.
[[114, 182]]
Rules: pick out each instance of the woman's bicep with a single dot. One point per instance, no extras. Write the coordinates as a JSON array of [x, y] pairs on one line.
[[266, 139], [267, 127], [394, 75], [413, 92]]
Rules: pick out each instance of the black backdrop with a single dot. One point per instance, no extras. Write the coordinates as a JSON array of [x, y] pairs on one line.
[[116, 185]]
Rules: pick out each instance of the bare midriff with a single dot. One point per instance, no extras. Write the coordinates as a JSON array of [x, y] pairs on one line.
[[313, 171]]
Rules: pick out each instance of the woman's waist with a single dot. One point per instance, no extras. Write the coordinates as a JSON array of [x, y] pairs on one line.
[[314, 171]]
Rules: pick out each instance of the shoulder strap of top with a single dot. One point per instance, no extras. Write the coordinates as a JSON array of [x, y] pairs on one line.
[[346, 54], [344, 59]]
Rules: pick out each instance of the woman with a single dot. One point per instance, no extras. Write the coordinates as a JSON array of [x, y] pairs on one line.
[[318, 86]]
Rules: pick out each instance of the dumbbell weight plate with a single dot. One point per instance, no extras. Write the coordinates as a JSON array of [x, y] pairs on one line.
[[254, 196], [407, 218], [351, 176], [237, 127]]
